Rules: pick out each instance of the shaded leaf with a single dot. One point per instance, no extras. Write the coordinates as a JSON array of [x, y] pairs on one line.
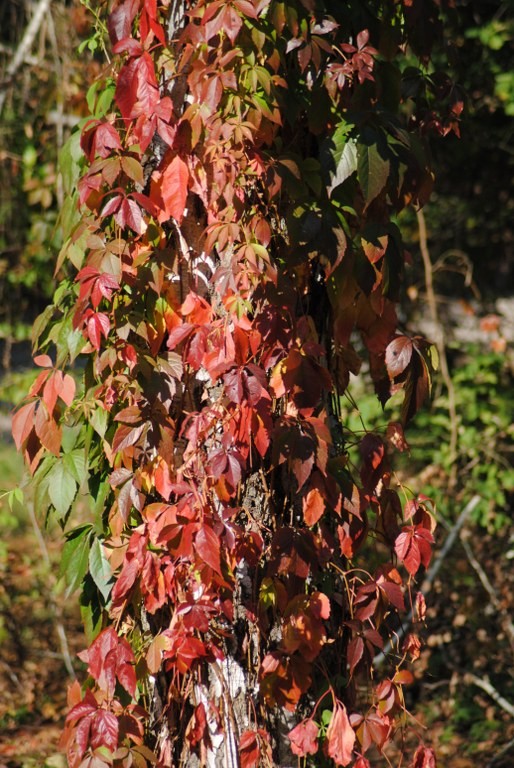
[[373, 171], [100, 569]]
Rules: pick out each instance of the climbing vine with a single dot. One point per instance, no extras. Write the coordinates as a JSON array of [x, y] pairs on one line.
[[231, 256]]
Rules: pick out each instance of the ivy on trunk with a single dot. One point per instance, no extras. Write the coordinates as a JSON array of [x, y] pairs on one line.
[[231, 257]]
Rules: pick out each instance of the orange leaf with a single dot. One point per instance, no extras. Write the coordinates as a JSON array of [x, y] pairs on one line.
[[313, 507], [340, 736], [22, 423], [169, 190]]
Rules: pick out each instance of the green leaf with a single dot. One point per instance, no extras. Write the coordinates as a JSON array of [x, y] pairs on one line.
[[41, 324], [15, 499], [338, 156], [70, 160], [372, 170], [104, 102], [75, 557], [76, 464], [311, 172], [100, 569], [99, 490], [99, 419], [62, 488], [91, 609]]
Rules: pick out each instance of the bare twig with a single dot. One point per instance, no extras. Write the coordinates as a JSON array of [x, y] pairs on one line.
[[431, 574], [24, 47], [491, 691], [440, 344]]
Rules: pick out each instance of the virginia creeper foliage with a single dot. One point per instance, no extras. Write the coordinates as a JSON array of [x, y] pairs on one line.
[[231, 258]]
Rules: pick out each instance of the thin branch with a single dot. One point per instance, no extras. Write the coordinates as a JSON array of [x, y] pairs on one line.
[[439, 342], [491, 691], [24, 47]]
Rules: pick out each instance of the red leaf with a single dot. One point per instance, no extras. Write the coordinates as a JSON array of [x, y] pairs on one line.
[[126, 436], [136, 90], [304, 738], [126, 580], [120, 20], [375, 728], [398, 355], [110, 657], [97, 325], [302, 377], [104, 730], [232, 23], [97, 284], [233, 381], [249, 749], [111, 206], [413, 547], [163, 480], [129, 215], [424, 758], [96, 656], [169, 189], [197, 725], [355, 652], [125, 671], [22, 423], [99, 138], [207, 545], [260, 433], [233, 469], [84, 708], [340, 736]]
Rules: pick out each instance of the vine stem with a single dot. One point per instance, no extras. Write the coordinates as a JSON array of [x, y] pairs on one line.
[[440, 345]]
